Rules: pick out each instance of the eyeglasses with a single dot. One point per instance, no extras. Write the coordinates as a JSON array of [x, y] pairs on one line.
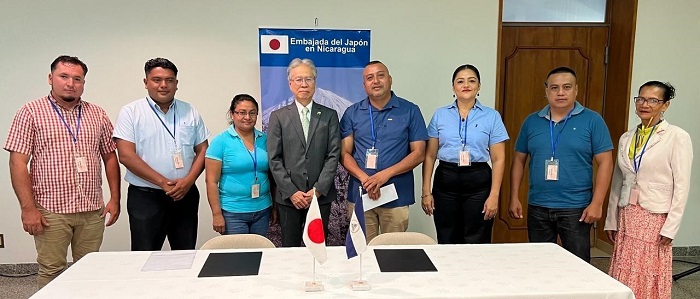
[[248, 113], [651, 101], [300, 80]]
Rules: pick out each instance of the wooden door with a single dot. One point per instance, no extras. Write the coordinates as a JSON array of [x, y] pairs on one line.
[[527, 55]]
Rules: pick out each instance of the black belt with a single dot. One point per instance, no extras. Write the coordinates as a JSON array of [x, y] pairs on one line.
[[455, 165], [146, 189]]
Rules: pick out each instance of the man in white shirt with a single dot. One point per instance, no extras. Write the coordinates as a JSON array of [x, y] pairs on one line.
[[161, 141]]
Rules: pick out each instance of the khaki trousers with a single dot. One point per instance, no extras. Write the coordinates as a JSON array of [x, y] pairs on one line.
[[389, 220], [82, 231]]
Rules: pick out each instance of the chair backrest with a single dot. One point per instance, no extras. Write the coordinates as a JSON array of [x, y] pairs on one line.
[[402, 238], [240, 241]]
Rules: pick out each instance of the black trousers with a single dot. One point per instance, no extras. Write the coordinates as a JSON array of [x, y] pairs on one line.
[[460, 194], [292, 221], [153, 215]]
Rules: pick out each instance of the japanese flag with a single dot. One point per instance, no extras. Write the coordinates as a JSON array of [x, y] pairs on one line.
[[314, 238], [274, 44]]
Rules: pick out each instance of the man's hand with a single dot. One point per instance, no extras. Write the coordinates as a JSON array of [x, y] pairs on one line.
[[33, 222], [515, 208], [300, 200], [374, 182], [592, 213], [490, 207], [113, 208], [180, 187]]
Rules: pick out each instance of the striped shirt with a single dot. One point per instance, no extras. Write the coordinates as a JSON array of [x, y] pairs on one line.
[[38, 131]]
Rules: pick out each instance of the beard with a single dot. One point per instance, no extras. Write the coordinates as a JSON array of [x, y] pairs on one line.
[[69, 99]]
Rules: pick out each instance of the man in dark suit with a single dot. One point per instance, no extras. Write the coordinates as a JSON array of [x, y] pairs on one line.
[[303, 145]]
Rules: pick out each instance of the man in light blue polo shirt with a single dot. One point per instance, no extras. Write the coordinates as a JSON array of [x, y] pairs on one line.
[[161, 141], [383, 139], [562, 140]]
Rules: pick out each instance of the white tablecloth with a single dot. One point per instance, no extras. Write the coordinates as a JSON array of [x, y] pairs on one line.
[[536, 270]]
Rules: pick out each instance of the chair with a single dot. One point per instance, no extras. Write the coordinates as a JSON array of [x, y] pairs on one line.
[[402, 238], [240, 241]]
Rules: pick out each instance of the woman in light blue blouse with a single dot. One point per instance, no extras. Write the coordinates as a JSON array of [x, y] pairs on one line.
[[238, 187], [464, 136]]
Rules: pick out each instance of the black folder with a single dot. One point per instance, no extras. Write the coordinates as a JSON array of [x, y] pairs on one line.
[[231, 264], [404, 260]]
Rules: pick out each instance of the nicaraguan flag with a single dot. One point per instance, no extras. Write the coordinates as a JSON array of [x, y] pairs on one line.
[[355, 241], [314, 238]]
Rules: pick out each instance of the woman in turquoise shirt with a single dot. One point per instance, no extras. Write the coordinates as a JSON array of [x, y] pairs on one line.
[[464, 136], [236, 166]]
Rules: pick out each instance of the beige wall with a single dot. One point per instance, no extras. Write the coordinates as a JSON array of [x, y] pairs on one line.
[[666, 49], [214, 44]]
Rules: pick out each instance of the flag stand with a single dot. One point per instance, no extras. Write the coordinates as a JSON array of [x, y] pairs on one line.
[[313, 285], [361, 284]]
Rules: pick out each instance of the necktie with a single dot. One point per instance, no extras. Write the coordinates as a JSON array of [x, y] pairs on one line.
[[305, 122]]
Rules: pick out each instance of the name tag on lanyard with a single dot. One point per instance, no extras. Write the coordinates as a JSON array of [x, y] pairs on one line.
[[178, 161], [551, 170], [551, 166]]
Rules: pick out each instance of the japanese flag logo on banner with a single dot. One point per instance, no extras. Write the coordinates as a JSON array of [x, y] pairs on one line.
[[274, 44], [314, 238]]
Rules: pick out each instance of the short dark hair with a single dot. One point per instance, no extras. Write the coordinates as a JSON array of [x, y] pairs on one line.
[[374, 62], [560, 70], [466, 67], [160, 62], [69, 60], [669, 90]]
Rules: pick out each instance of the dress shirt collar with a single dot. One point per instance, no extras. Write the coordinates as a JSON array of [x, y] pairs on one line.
[[300, 106], [477, 105], [578, 108], [393, 102], [153, 104]]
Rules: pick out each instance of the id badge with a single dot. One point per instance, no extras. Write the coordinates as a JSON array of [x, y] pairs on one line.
[[634, 195], [81, 164], [464, 159], [177, 159], [372, 155], [551, 170], [255, 191]]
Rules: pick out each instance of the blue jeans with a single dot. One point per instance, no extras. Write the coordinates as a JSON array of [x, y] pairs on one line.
[[247, 223], [544, 224]]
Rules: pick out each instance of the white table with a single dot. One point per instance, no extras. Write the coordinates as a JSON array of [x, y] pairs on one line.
[[536, 270]]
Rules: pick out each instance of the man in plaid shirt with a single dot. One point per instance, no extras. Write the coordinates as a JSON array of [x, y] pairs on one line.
[[63, 139]]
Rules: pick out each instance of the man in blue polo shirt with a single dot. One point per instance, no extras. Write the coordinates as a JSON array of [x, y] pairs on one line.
[[562, 140], [383, 139]]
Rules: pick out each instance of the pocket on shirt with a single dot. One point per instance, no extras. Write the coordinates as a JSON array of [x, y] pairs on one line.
[[660, 193], [396, 129], [187, 135]]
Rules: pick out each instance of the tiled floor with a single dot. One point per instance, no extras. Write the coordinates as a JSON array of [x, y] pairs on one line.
[[685, 288]]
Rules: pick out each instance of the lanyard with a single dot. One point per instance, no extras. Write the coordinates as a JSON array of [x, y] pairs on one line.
[[77, 126], [638, 163], [466, 122], [551, 131], [253, 156], [371, 124], [172, 134]]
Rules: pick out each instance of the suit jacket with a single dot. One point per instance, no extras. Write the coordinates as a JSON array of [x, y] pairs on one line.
[[298, 164], [663, 178]]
